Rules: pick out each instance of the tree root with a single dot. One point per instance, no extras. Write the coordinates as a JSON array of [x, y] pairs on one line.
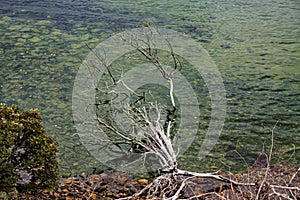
[[182, 184]]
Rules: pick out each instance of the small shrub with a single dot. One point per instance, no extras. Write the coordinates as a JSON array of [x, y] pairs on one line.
[[27, 155]]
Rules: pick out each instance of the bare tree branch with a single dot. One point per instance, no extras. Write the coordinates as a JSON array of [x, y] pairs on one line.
[[150, 135]]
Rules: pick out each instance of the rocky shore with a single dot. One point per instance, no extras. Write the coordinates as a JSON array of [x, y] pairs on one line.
[[106, 185], [273, 182]]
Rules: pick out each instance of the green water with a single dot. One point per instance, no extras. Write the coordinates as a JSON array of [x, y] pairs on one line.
[[255, 45]]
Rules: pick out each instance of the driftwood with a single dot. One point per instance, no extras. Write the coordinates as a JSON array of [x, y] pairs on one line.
[[155, 138]]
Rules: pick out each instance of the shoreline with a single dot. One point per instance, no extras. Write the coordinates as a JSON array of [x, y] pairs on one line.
[[113, 185]]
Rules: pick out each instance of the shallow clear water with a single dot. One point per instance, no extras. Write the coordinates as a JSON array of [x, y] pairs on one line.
[[255, 45]]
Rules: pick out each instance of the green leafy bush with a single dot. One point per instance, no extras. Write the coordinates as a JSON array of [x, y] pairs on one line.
[[27, 155]]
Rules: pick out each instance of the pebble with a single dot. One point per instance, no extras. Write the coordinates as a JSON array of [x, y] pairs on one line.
[[64, 190], [94, 196], [67, 181], [144, 181]]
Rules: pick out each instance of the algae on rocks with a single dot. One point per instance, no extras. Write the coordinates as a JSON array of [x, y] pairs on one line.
[[27, 155]]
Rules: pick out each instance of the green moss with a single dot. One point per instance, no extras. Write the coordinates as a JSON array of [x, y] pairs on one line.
[[43, 23], [25, 148], [35, 39]]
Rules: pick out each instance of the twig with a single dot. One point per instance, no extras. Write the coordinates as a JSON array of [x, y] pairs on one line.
[[206, 194], [279, 194], [176, 195], [285, 187], [268, 165], [210, 175], [102, 59], [294, 176]]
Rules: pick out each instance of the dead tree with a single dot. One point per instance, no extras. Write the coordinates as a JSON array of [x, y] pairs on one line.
[[152, 134]]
